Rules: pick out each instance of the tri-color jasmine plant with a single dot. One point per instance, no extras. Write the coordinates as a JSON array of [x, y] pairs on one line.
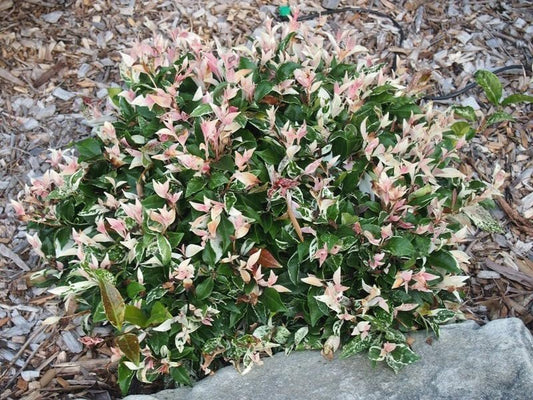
[[274, 196]]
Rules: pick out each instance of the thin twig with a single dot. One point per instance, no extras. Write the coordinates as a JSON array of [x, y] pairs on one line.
[[19, 353], [10, 382]]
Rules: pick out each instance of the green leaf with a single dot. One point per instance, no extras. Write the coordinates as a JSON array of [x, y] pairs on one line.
[[88, 149], [155, 294], [465, 112], [246, 63], [158, 314], [153, 202], [499, 116], [285, 41], [462, 129], [156, 340], [400, 357], [195, 185], [129, 345], [135, 316], [442, 315], [134, 288], [113, 303], [315, 312], [300, 334], [165, 251], [285, 70], [217, 179], [393, 335], [264, 88], [99, 313], [293, 268], [444, 259], [269, 156], [490, 84], [181, 375], [281, 335], [225, 163], [125, 375], [201, 109], [481, 218], [174, 238], [374, 353], [113, 92], [272, 300], [400, 247], [354, 346], [204, 289], [517, 98]]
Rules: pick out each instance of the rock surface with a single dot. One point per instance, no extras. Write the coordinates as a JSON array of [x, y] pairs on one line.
[[467, 362]]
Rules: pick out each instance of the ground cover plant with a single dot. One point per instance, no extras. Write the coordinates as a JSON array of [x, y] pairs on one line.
[[275, 196]]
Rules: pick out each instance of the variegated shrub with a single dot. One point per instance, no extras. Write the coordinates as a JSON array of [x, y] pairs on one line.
[[275, 196]]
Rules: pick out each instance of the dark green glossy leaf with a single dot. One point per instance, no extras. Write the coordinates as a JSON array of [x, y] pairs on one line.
[[194, 186], [443, 259], [125, 375], [180, 375], [272, 300], [165, 251], [204, 289], [89, 149], [400, 247], [264, 88], [315, 313], [217, 179], [286, 70]]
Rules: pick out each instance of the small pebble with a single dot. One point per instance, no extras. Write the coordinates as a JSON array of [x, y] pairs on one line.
[[52, 17], [29, 375], [485, 274], [470, 101]]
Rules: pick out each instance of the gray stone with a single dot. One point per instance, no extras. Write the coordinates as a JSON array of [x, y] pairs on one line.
[[467, 362]]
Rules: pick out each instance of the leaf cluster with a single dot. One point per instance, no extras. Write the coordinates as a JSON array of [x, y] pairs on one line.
[[253, 200]]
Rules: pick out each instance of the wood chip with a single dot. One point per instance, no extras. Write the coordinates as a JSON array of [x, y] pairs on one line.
[[7, 252], [47, 377], [49, 74], [8, 76], [509, 273]]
